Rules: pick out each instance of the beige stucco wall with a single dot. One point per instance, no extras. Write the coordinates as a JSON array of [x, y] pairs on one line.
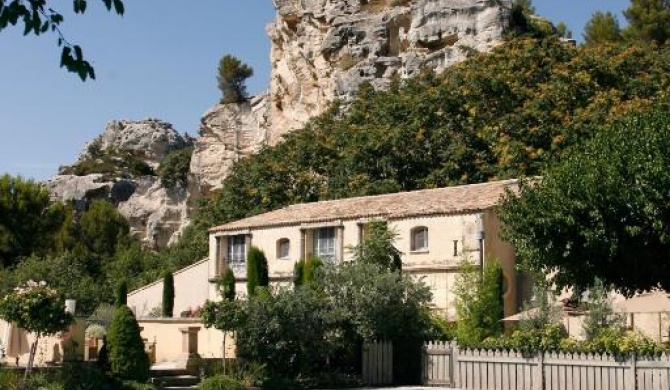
[[437, 266], [50, 349], [191, 290], [168, 338]]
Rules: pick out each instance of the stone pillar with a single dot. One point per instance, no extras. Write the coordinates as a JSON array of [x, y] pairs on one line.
[[189, 358]]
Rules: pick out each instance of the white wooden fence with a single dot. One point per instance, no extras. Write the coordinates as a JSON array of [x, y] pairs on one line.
[[377, 363], [444, 364]]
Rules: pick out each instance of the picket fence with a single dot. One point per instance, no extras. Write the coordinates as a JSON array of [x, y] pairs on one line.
[[445, 364]]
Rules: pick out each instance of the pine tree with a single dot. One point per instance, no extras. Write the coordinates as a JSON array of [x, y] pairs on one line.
[[648, 20], [603, 27], [257, 270], [231, 77], [168, 295], [126, 349]]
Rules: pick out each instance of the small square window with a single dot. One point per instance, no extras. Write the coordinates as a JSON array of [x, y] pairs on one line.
[[419, 239], [283, 248]]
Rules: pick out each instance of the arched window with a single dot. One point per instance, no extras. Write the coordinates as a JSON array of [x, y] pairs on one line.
[[283, 248], [419, 239]]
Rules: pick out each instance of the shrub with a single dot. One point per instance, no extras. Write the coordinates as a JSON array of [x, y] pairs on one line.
[[312, 264], [126, 348], [174, 169], [479, 302], [257, 270], [600, 316], [220, 382], [168, 295], [231, 77]]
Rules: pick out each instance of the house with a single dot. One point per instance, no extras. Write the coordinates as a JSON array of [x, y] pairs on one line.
[[436, 229]]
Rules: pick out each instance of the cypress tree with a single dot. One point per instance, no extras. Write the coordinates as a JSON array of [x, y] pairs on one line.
[[227, 286], [168, 295], [121, 293], [127, 358], [298, 273], [257, 270]]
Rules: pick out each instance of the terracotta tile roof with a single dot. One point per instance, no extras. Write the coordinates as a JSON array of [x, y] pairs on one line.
[[439, 201]]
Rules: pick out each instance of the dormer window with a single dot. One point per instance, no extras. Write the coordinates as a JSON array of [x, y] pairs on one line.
[[419, 239]]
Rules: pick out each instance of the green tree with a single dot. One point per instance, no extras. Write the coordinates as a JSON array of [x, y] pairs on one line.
[[126, 348], [603, 27], [377, 247], [39, 17], [121, 293], [167, 306], [174, 169], [102, 227], [600, 315], [231, 78], [479, 303], [28, 220], [257, 270], [648, 20], [38, 309], [603, 211]]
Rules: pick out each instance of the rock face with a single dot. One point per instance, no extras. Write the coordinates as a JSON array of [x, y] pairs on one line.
[[324, 49], [228, 132], [155, 214]]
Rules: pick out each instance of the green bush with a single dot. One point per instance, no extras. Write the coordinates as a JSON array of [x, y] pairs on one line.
[[257, 270], [110, 163], [82, 376], [126, 348], [174, 169], [220, 382], [227, 285]]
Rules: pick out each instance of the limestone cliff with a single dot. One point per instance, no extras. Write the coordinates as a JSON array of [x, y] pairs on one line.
[[321, 50], [324, 49], [102, 171]]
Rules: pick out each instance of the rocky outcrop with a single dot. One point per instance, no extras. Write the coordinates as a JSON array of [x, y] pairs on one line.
[[324, 50], [228, 132], [156, 215]]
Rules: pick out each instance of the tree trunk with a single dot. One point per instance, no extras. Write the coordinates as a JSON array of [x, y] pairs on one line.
[[31, 358]]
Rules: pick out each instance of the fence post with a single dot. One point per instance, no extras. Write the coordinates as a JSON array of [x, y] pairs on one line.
[[632, 379], [539, 382], [455, 378]]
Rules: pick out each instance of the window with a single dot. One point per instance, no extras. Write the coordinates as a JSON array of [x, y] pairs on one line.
[[419, 237], [324, 243], [237, 251], [283, 248]]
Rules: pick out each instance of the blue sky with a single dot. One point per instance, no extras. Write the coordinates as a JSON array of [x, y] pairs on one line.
[[159, 60]]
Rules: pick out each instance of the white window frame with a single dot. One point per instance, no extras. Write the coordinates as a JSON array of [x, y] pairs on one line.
[[283, 243], [236, 252], [324, 243], [415, 245]]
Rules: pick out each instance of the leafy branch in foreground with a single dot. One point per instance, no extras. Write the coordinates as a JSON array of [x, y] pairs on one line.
[[39, 18]]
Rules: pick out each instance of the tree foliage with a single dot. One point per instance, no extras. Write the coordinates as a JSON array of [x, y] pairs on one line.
[[648, 20], [102, 227], [479, 302], [377, 247], [505, 114], [603, 27], [126, 348], [257, 270], [320, 326], [227, 285], [231, 78], [602, 211], [28, 221], [174, 169], [167, 306], [39, 17], [36, 308]]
